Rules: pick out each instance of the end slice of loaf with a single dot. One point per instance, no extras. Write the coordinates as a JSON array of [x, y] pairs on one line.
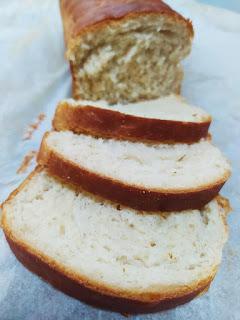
[[168, 120], [124, 51], [141, 176], [111, 256]]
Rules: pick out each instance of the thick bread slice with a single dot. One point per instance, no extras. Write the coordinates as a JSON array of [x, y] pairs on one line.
[[124, 50], [144, 177], [109, 255], [167, 120]]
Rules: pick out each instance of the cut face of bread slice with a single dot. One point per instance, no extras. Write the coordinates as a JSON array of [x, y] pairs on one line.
[[167, 120], [144, 177], [122, 51], [112, 256]]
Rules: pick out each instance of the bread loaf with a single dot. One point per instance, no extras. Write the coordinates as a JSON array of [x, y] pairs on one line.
[[124, 50]]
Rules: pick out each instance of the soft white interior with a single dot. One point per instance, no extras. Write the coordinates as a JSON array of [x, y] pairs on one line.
[[116, 247], [131, 59], [178, 166], [172, 107]]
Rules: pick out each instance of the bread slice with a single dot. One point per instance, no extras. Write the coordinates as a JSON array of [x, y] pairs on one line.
[[141, 176], [167, 120], [111, 256], [124, 50]]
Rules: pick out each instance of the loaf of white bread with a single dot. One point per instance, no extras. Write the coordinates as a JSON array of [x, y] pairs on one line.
[[111, 256], [124, 50], [123, 211]]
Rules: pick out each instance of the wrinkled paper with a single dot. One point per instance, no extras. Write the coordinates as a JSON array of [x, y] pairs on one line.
[[34, 76]]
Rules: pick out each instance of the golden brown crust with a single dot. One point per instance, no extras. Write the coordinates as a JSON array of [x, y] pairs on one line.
[[129, 195], [79, 15], [113, 124], [78, 290]]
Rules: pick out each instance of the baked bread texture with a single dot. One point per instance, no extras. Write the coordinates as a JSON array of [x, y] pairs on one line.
[[142, 176], [167, 120], [111, 256], [124, 50]]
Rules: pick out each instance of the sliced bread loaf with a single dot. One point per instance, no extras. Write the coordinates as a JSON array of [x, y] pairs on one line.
[[142, 176], [124, 50], [169, 119], [111, 256]]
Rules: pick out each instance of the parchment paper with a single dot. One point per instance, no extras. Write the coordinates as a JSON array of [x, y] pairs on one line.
[[34, 76]]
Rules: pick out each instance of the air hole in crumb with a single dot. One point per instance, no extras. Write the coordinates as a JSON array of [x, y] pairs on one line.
[[119, 207], [202, 255], [181, 158], [131, 225], [204, 218], [152, 244], [164, 215], [171, 256]]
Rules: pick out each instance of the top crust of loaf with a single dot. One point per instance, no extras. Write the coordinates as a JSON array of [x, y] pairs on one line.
[[81, 16], [166, 120]]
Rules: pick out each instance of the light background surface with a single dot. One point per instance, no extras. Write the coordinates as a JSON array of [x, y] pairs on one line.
[[228, 4], [34, 76]]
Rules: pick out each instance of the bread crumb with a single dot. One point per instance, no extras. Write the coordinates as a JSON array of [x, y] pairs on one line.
[[26, 162], [34, 126]]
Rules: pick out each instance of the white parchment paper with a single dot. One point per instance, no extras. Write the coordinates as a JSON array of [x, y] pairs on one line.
[[34, 76]]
